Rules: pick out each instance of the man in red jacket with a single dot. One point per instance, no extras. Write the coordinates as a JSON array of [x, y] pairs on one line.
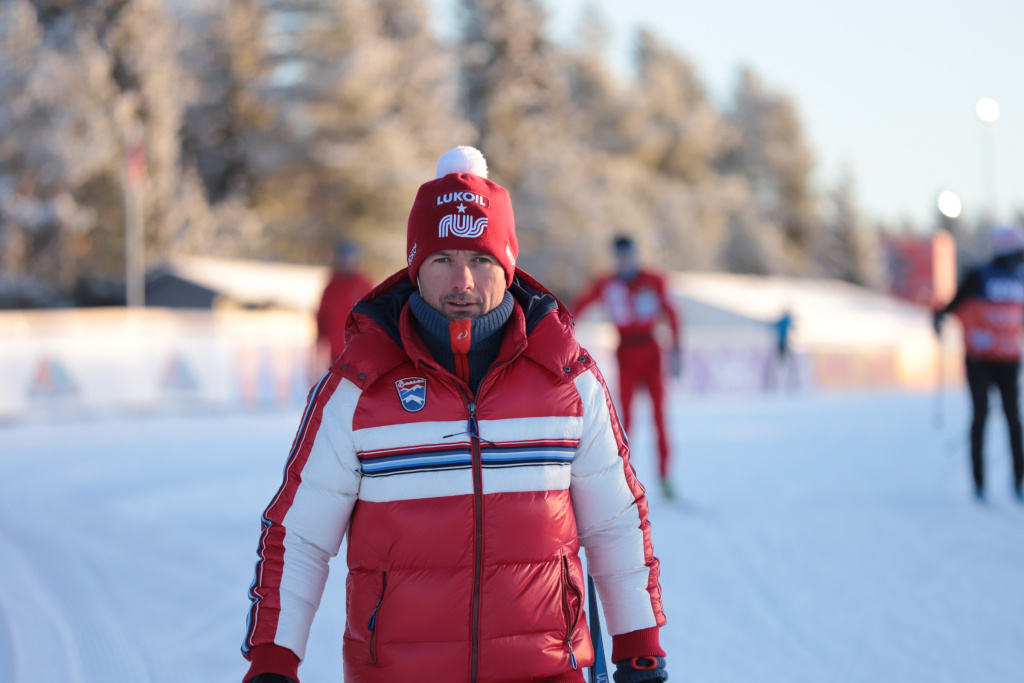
[[346, 286], [636, 299], [467, 446]]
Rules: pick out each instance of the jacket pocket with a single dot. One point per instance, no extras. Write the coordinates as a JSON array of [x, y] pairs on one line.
[[374, 623], [572, 598]]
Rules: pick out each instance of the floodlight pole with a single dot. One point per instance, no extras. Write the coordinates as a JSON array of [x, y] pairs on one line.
[[987, 117]]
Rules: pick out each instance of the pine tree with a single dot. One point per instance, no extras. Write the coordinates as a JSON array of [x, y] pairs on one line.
[[772, 154], [676, 133], [274, 128], [675, 130], [510, 85], [77, 78], [140, 37], [517, 92], [847, 249], [346, 105]]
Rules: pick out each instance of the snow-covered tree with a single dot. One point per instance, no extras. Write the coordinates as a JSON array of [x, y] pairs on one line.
[[510, 86], [517, 91], [675, 132], [79, 82], [847, 247], [274, 128], [347, 104], [673, 127], [773, 154]]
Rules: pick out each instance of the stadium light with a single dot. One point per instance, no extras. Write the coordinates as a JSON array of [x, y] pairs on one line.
[[987, 110], [950, 205]]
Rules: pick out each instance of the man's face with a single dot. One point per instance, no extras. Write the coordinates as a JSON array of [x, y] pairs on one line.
[[461, 284]]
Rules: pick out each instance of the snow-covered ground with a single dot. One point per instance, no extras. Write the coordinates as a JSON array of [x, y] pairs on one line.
[[818, 538]]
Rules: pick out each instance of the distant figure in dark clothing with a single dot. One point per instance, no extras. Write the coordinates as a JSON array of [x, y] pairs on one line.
[[783, 360], [346, 286], [782, 327], [990, 306]]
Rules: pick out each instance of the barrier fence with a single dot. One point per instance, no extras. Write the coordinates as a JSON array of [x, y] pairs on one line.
[[116, 360], [83, 361]]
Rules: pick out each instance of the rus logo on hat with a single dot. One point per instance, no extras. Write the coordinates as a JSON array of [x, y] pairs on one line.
[[461, 226]]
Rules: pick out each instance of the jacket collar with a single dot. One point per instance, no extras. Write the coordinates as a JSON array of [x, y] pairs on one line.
[[382, 328], [512, 343]]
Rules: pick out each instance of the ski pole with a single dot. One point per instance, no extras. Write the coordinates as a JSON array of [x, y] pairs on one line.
[[599, 671], [940, 381]]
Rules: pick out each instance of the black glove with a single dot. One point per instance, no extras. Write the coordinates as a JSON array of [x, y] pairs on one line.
[[270, 678], [641, 670]]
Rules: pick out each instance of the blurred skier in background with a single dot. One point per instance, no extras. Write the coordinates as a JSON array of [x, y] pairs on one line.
[[782, 360], [635, 300], [346, 286], [990, 306]]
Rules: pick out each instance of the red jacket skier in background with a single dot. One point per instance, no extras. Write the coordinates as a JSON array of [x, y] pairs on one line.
[[467, 447], [346, 286], [636, 299], [990, 306]]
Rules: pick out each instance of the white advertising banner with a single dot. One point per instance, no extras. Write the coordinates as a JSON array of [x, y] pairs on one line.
[[83, 361]]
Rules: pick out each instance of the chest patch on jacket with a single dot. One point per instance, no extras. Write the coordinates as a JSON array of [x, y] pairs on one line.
[[412, 391]]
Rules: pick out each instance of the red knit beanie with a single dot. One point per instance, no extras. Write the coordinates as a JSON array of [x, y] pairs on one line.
[[461, 209]]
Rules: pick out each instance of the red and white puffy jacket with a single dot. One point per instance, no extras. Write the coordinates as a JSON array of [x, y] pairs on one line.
[[465, 513]]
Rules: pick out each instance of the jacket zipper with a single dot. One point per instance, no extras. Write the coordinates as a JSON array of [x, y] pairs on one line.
[[574, 617], [373, 618], [478, 506], [478, 503]]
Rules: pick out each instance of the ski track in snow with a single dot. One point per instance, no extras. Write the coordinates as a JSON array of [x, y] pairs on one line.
[[815, 538]]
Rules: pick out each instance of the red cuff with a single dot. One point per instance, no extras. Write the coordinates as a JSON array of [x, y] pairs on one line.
[[272, 659], [643, 643]]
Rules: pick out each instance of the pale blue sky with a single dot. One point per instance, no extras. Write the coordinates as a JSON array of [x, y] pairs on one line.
[[885, 88]]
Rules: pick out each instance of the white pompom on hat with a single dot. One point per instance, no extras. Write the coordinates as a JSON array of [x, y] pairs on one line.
[[1007, 239], [462, 160], [462, 210]]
